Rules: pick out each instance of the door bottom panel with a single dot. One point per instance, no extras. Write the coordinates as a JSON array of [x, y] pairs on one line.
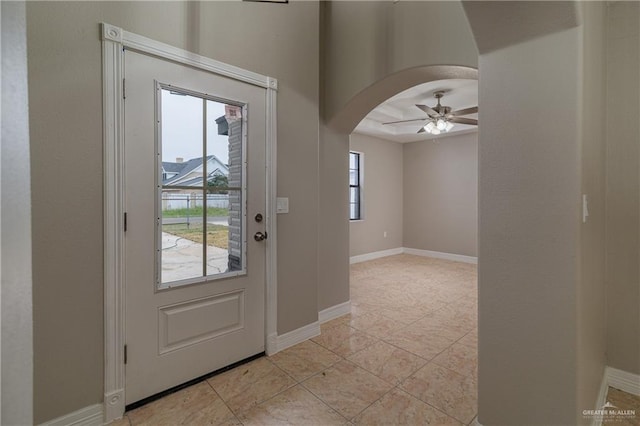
[[187, 323]]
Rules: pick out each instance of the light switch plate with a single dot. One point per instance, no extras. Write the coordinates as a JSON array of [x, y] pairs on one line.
[[282, 205]]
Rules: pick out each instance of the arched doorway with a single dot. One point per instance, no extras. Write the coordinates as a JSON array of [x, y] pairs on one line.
[[413, 241]]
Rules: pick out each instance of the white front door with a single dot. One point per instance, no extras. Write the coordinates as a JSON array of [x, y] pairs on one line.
[[194, 190]]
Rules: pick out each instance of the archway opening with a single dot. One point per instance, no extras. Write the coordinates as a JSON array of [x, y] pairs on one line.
[[413, 225]]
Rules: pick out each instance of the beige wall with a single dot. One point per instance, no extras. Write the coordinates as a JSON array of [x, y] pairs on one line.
[[623, 187], [382, 196], [441, 194], [591, 288], [528, 233], [66, 124]]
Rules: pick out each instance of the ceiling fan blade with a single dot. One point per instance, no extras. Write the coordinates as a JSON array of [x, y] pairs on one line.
[[407, 121], [465, 111], [461, 120], [422, 130], [430, 111]]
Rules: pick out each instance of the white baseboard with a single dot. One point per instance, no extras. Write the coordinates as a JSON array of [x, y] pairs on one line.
[[88, 416], [278, 343], [334, 312], [623, 380], [375, 255], [416, 252], [441, 255]]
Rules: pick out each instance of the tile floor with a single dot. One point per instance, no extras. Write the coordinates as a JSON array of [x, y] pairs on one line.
[[623, 401], [405, 355]]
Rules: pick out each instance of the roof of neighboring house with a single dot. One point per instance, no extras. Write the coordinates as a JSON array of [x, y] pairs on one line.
[[188, 167], [173, 167]]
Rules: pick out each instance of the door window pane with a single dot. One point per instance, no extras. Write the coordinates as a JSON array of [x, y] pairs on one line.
[[182, 132], [353, 210], [353, 177], [354, 196], [201, 188], [224, 198]]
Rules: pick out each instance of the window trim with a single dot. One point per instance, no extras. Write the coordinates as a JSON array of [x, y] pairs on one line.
[[360, 186]]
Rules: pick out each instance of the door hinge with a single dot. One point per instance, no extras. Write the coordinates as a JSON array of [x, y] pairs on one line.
[[125, 354], [125, 221], [124, 93]]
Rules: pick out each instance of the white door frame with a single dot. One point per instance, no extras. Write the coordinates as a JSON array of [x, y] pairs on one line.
[[114, 40]]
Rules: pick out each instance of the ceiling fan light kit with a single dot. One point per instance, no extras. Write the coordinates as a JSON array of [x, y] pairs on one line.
[[431, 128], [441, 125]]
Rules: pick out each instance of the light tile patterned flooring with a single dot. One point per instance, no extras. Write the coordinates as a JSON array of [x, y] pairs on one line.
[[406, 355], [623, 401]]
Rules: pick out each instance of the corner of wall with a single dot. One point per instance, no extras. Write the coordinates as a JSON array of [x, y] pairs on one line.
[[16, 228], [333, 223]]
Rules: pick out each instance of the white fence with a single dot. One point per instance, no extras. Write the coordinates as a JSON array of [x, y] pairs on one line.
[[172, 201]]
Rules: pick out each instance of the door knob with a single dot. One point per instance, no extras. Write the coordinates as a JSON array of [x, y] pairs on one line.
[[259, 236]]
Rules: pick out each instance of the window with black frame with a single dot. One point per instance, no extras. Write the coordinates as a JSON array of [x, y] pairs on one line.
[[355, 186]]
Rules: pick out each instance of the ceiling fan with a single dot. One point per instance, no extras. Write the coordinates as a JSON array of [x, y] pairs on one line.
[[440, 118]]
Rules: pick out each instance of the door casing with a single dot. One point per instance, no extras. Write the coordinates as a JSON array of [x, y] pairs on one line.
[[114, 40]]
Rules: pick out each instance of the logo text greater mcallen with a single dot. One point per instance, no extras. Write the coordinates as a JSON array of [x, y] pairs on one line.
[[609, 412]]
